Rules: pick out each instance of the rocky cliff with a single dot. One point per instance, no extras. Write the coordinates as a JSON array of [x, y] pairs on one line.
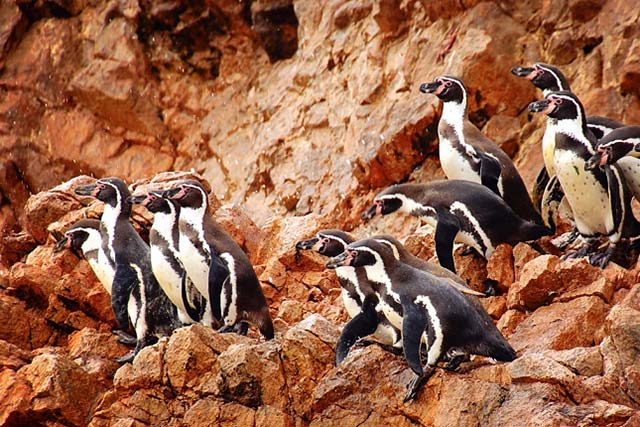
[[296, 113]]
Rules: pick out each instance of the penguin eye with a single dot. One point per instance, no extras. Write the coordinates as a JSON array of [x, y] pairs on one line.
[[559, 101], [353, 254], [448, 84], [325, 240]]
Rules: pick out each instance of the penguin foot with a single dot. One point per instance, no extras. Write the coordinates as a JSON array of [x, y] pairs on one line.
[[386, 347], [241, 328], [454, 362], [226, 329], [467, 250], [415, 384], [563, 241], [602, 259], [126, 358], [580, 253], [125, 338]]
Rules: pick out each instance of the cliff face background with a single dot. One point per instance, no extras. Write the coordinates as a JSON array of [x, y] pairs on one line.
[[297, 113]]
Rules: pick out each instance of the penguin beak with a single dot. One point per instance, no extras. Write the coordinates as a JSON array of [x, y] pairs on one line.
[[138, 200], [342, 260], [87, 190], [543, 106], [636, 147], [307, 244], [429, 87], [603, 153], [526, 72], [62, 244], [598, 159], [370, 212], [173, 193]]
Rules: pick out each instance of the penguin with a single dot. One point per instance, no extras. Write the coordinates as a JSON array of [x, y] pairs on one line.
[[462, 211], [550, 79], [167, 268], [430, 311], [599, 199], [465, 153], [135, 291], [621, 142], [235, 294], [360, 300]]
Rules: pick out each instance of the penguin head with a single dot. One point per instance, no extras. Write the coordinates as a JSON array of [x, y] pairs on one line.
[[545, 77], [563, 105], [326, 242], [362, 253], [153, 201], [392, 243], [383, 204], [188, 194], [447, 88], [112, 191], [617, 144], [78, 234]]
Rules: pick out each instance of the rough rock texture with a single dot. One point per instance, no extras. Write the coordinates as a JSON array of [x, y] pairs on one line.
[[295, 113]]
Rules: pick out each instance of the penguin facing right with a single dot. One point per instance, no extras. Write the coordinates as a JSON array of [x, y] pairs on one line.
[[136, 294], [167, 268], [462, 211], [234, 292], [431, 311]]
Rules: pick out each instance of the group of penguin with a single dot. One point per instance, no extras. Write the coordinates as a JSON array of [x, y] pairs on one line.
[[191, 271], [423, 309]]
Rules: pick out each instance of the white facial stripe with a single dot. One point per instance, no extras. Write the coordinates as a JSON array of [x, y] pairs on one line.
[[393, 247], [408, 205], [435, 350], [333, 237], [555, 76], [461, 208], [349, 274], [377, 273], [619, 141]]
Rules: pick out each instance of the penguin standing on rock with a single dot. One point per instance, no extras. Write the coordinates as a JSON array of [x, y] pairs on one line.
[[229, 281], [431, 311], [466, 154], [462, 211], [136, 294], [167, 268], [599, 199]]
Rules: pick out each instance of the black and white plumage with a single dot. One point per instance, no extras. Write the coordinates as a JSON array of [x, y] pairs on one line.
[[616, 145], [217, 265], [167, 268], [461, 211], [466, 154], [431, 311], [135, 295], [598, 198]]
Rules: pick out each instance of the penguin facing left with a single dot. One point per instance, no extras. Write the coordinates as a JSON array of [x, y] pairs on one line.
[[235, 294], [466, 154], [462, 211], [624, 141], [431, 311], [136, 294], [167, 268]]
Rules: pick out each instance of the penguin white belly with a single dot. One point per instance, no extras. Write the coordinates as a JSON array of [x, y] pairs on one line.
[[392, 316], [350, 304], [387, 334], [104, 274], [454, 164], [548, 147], [630, 168], [195, 266], [589, 201], [167, 277]]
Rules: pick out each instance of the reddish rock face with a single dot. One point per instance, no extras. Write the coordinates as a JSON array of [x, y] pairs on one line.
[[294, 115]]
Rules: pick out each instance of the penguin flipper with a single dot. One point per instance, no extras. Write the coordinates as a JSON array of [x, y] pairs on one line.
[[414, 323], [218, 274], [490, 171], [446, 230], [363, 324], [553, 195], [191, 298], [618, 196], [542, 179], [124, 280]]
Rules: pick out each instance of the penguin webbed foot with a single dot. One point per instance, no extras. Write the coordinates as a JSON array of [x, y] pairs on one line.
[[455, 361], [413, 387], [602, 259], [580, 253], [124, 337], [563, 241], [126, 358], [386, 347], [240, 328]]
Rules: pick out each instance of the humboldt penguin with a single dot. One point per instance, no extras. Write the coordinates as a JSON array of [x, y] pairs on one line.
[[167, 268], [431, 312], [599, 199], [235, 294], [466, 154], [136, 294], [461, 211], [624, 141], [360, 300]]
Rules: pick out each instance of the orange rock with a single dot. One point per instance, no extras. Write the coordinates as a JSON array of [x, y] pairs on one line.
[[500, 267], [537, 284]]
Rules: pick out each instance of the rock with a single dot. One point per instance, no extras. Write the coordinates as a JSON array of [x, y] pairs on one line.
[[504, 131], [23, 327], [538, 281], [12, 356], [586, 361], [622, 325], [95, 352], [208, 411], [561, 325], [15, 394], [500, 267], [630, 75], [522, 254], [276, 24], [61, 389]]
